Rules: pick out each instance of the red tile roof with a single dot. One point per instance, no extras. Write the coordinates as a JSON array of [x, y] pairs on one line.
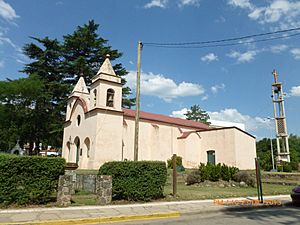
[[166, 119]]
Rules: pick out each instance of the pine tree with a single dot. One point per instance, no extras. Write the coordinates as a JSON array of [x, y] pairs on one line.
[[84, 51], [197, 114]]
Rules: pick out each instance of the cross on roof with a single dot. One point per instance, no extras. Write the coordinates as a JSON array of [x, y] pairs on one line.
[[275, 74]]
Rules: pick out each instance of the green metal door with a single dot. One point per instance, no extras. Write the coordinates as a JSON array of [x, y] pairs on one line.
[[211, 157]]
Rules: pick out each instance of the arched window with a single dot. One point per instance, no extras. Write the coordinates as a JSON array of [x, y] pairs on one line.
[[95, 97], [78, 120], [110, 98]]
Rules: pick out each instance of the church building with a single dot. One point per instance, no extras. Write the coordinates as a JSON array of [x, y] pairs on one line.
[[97, 130]]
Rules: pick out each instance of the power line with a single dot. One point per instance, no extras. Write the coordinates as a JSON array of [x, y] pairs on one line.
[[221, 45], [201, 43]]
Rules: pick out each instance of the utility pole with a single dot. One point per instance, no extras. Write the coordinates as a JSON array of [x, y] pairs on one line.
[[137, 109], [280, 120]]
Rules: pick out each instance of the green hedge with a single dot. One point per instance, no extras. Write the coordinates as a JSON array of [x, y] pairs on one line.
[[28, 179], [136, 180]]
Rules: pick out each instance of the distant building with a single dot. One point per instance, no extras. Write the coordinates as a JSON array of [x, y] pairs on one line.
[[97, 129]]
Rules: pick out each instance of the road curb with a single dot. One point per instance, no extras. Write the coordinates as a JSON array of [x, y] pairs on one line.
[[99, 220]]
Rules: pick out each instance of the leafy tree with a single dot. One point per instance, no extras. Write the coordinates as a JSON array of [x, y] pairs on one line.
[[20, 117], [263, 148], [197, 114]]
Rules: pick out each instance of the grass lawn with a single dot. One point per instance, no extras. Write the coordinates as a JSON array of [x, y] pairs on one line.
[[195, 193]]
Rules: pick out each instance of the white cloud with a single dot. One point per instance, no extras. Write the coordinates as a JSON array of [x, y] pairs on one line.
[[1, 64], [256, 13], [180, 113], [7, 41], [216, 88], [233, 115], [209, 57], [295, 91], [284, 12], [244, 4], [162, 87], [7, 12], [281, 9], [296, 53], [242, 57], [278, 48], [205, 97], [183, 3], [156, 3], [221, 19]]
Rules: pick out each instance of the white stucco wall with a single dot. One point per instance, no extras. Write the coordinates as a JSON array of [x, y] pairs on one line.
[[232, 147], [245, 150], [157, 141]]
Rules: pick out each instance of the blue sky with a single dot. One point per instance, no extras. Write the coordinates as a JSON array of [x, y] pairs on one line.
[[232, 83]]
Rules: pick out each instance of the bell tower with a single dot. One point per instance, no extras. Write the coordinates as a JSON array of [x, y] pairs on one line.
[[280, 120], [106, 88]]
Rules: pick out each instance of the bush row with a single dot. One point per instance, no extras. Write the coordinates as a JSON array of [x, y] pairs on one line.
[[28, 179], [212, 172], [136, 180]]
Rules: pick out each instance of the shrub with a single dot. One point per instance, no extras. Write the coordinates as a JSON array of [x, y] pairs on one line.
[[178, 162], [28, 179], [216, 172], [285, 167], [136, 180], [295, 165], [245, 177], [193, 178], [225, 173], [204, 171], [232, 171]]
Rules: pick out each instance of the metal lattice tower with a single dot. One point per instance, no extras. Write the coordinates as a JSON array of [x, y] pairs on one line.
[[280, 120]]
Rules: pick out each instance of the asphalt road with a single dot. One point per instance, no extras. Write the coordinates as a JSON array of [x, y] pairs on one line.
[[288, 215]]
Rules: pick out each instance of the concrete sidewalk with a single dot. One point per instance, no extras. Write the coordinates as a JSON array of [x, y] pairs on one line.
[[114, 213]]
